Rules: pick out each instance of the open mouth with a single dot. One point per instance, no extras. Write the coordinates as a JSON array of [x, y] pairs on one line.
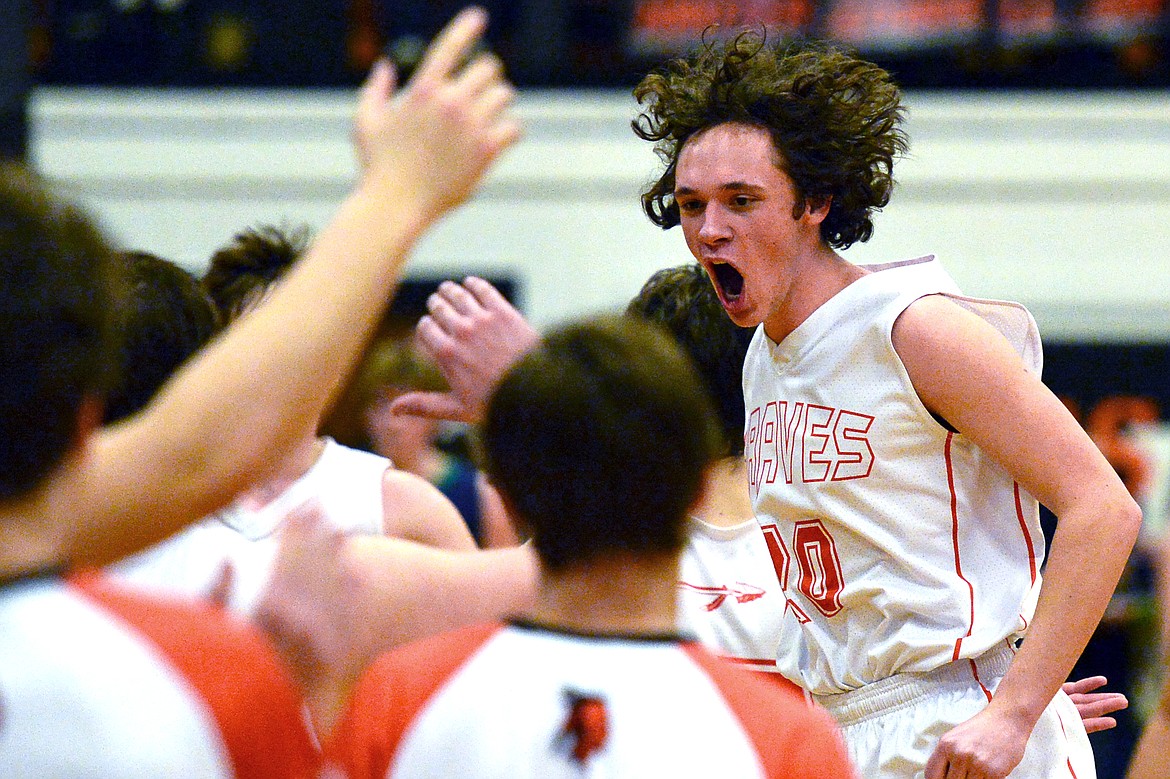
[[729, 280]]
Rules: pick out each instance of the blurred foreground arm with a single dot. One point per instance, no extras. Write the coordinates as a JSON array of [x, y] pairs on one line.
[[214, 427], [333, 604]]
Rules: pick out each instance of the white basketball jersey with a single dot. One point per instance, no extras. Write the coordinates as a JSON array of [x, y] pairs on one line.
[[346, 482], [902, 546], [729, 597]]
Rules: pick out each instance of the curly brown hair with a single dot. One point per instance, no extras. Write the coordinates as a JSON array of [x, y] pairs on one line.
[[834, 119]]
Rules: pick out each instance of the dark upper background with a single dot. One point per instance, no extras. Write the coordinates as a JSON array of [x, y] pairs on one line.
[[593, 43]]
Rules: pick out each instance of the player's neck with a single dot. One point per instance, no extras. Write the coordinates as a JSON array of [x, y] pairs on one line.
[[618, 595], [33, 527], [427, 462], [818, 279], [725, 501]]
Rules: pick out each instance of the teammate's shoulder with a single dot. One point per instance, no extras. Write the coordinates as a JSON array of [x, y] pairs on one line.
[[210, 646]]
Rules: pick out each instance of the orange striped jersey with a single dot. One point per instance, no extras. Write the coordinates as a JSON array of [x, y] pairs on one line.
[[524, 700], [99, 681]]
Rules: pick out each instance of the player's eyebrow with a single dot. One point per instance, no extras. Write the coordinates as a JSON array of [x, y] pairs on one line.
[[731, 186]]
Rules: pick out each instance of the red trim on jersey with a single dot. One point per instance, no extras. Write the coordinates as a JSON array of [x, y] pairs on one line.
[[230, 666], [749, 661], [392, 692], [1024, 530], [792, 739], [1068, 760], [757, 666], [955, 540], [975, 673]]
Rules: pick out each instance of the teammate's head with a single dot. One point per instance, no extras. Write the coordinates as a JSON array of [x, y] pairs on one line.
[[393, 367], [166, 319], [241, 272], [59, 291], [597, 440], [682, 300], [834, 120]]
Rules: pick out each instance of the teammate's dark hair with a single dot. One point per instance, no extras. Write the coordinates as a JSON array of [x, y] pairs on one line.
[[835, 122], [58, 297], [598, 439], [242, 271], [682, 300], [166, 319]]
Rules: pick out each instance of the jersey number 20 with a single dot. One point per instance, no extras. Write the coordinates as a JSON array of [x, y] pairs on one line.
[[820, 577]]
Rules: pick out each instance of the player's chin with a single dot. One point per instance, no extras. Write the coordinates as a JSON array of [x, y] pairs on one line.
[[740, 311]]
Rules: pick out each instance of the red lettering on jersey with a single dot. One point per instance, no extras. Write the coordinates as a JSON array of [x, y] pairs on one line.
[[751, 449], [829, 444], [820, 567], [854, 454], [741, 591], [780, 562], [815, 467], [790, 424], [768, 440]]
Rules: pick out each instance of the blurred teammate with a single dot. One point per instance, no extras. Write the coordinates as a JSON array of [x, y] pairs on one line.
[[110, 683], [391, 368], [102, 681], [729, 596], [595, 679], [359, 491]]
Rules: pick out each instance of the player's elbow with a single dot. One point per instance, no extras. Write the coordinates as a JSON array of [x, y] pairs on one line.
[[1126, 517]]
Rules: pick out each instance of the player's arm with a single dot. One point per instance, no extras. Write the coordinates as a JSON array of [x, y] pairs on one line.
[[213, 429], [1149, 757], [413, 591], [416, 510], [967, 373], [332, 604]]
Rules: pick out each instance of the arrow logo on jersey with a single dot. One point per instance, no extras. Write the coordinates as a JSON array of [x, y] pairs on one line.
[[743, 593]]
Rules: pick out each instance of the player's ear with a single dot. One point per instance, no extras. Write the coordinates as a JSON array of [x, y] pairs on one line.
[[816, 208]]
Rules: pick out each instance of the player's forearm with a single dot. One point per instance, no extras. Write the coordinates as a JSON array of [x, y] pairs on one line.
[[412, 591], [1089, 551], [214, 428]]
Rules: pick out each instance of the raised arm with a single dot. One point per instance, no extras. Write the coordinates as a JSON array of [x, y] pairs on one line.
[[968, 374], [213, 429]]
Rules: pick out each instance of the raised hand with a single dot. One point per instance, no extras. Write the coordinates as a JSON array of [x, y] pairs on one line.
[[429, 143], [473, 334]]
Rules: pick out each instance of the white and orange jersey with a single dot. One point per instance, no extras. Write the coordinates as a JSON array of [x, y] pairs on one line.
[[97, 681], [729, 597], [346, 483], [900, 545], [523, 701]]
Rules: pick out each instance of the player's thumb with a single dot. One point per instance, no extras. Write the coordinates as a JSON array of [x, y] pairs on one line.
[[432, 405]]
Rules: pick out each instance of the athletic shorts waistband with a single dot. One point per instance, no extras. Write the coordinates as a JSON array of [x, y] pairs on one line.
[[899, 690]]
